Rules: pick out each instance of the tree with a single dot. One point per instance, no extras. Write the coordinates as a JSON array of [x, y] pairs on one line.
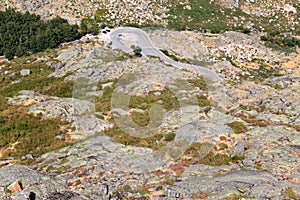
[[137, 50], [23, 33]]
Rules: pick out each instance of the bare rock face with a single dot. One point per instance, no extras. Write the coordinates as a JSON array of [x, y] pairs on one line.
[[31, 180]]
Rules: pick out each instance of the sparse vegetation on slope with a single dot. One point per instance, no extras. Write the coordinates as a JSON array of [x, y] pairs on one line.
[[22, 133], [38, 81]]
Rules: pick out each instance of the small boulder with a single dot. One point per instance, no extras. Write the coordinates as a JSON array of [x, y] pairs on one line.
[[25, 72]]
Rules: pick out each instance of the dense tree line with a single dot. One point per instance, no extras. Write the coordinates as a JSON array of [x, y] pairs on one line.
[[281, 40], [23, 34]]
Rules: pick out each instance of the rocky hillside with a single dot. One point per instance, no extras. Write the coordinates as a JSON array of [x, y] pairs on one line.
[[87, 121], [245, 135], [216, 14]]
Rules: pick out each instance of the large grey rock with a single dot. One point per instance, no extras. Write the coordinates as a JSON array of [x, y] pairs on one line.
[[235, 182], [32, 180]]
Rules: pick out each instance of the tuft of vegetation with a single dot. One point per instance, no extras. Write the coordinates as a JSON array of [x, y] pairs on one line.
[[23, 133], [289, 192], [174, 57], [137, 51], [200, 82], [238, 127], [203, 100], [144, 192], [165, 97], [237, 197], [202, 153], [238, 157], [24, 34], [103, 103], [215, 159], [169, 181], [154, 142]]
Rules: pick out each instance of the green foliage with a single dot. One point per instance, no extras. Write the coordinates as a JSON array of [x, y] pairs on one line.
[[144, 192], [169, 181], [141, 118], [121, 137], [238, 157], [201, 83], [238, 127], [23, 34], [198, 150], [280, 42], [166, 98], [137, 50], [22, 133], [237, 197], [99, 14], [170, 136], [103, 103], [89, 26], [289, 192], [203, 101]]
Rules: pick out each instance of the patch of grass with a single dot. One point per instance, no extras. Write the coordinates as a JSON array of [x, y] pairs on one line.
[[223, 146], [169, 181], [169, 136], [238, 157], [99, 14], [103, 103], [141, 118], [126, 187], [238, 127], [237, 197], [23, 133], [38, 81], [121, 137], [195, 149], [202, 153], [144, 192], [289, 192], [199, 62], [166, 98], [215, 159], [201, 83], [203, 100], [250, 119]]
